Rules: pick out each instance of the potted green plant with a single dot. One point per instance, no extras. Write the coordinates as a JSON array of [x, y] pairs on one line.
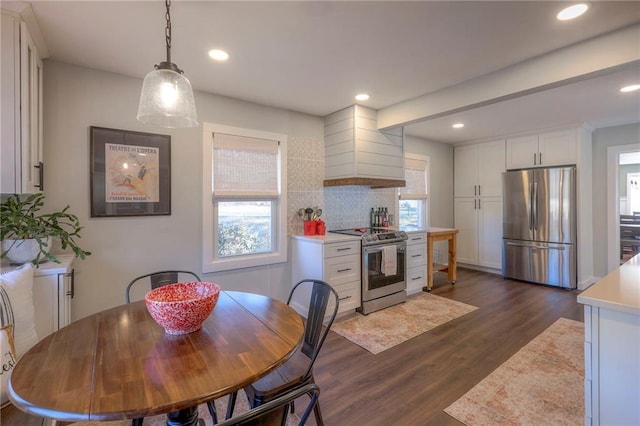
[[23, 226]]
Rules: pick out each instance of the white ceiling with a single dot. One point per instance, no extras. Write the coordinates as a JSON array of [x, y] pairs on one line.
[[313, 57]]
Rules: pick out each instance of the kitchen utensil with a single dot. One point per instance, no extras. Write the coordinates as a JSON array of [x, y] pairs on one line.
[[308, 212], [318, 213], [301, 213]]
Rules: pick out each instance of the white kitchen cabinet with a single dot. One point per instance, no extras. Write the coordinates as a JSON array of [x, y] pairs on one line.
[[478, 169], [357, 153], [52, 294], [21, 117], [478, 203], [479, 224], [416, 275], [333, 259], [558, 148], [612, 347]]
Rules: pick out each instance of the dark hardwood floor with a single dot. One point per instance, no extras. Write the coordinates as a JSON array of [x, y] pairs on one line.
[[412, 383]]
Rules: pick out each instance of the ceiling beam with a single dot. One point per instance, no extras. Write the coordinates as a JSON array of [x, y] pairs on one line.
[[588, 59]]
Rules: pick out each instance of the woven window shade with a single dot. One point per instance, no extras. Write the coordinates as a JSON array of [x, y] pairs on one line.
[[415, 174], [244, 167]]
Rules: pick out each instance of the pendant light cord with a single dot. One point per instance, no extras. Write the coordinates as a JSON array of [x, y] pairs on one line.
[[168, 65], [167, 30]]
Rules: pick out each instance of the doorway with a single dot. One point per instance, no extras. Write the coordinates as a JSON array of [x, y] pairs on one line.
[[623, 168]]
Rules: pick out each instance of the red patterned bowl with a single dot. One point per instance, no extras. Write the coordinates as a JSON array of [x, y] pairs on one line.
[[181, 308]]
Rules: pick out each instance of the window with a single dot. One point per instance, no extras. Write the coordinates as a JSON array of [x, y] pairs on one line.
[[244, 198], [414, 198]]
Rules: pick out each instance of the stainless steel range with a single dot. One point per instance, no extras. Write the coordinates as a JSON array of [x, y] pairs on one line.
[[383, 267]]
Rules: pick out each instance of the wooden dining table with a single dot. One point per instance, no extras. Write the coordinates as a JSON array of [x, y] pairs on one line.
[[119, 363]]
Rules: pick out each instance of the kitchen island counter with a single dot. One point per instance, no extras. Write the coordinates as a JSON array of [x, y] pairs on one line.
[[619, 290]]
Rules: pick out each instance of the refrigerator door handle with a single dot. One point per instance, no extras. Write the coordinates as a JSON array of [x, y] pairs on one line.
[[535, 247], [535, 205], [530, 206]]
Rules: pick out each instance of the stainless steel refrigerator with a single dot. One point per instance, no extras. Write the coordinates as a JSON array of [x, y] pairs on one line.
[[539, 226]]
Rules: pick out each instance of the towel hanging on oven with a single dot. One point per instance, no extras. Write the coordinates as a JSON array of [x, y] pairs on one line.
[[389, 260]]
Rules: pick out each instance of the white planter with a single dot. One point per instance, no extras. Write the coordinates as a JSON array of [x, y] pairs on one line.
[[23, 251]]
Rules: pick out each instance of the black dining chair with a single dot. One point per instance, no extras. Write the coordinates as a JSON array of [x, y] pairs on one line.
[[158, 279], [154, 280], [297, 371], [275, 412]]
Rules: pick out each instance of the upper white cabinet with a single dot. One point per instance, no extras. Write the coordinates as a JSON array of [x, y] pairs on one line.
[[478, 169], [357, 153], [557, 148], [21, 114]]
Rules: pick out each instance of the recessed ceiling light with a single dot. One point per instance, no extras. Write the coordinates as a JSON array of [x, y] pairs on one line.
[[630, 88], [218, 55], [572, 11], [362, 97], [458, 126]]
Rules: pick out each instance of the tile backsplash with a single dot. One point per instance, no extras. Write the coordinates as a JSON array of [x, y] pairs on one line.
[[342, 206]]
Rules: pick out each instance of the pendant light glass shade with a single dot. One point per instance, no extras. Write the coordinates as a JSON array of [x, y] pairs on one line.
[[167, 100]]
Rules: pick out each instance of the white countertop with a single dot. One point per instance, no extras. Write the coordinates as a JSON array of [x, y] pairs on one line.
[[45, 268], [329, 237], [620, 290]]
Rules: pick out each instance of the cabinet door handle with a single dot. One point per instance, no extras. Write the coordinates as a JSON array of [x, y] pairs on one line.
[[344, 270], [479, 193], [416, 278], [534, 159], [478, 204], [416, 239], [540, 155], [71, 291], [416, 255], [475, 189], [40, 167], [344, 248], [344, 298]]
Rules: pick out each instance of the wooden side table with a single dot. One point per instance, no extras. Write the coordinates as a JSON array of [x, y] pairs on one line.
[[441, 234]]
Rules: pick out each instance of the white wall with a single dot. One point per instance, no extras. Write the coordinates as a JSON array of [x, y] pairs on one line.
[[602, 139], [125, 247]]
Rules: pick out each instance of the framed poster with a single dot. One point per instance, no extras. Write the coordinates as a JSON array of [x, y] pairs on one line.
[[130, 173]]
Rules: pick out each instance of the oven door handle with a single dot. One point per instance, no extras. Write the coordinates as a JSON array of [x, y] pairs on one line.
[[377, 249]]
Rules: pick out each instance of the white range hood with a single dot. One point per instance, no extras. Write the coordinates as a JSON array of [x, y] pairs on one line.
[[357, 153]]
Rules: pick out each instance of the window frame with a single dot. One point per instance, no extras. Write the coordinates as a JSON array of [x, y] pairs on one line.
[[210, 261], [424, 198]]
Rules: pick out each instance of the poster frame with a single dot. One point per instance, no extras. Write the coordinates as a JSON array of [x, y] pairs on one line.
[[133, 141]]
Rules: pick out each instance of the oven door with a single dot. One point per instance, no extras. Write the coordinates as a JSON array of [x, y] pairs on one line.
[[376, 283]]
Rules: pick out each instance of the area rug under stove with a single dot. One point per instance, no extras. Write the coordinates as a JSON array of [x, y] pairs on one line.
[[542, 384], [389, 327]]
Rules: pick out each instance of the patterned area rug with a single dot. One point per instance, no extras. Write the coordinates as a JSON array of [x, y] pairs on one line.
[[389, 327], [542, 384], [242, 405]]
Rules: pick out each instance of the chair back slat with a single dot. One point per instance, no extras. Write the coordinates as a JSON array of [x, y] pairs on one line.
[[317, 310], [157, 279], [317, 323], [163, 278]]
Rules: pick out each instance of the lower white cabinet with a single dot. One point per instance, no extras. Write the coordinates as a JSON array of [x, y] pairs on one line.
[[416, 275], [479, 224], [52, 293], [334, 260], [612, 366]]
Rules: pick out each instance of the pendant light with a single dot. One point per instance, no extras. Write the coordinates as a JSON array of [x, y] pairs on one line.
[[166, 99]]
